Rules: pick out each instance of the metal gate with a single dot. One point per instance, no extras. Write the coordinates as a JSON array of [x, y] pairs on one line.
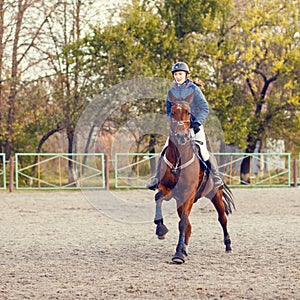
[[265, 169], [51, 171], [132, 170]]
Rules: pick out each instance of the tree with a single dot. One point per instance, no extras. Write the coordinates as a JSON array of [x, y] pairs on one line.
[[187, 16], [19, 48], [138, 45], [68, 82], [249, 63], [270, 59]]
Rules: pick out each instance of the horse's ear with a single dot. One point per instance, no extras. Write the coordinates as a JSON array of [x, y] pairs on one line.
[[189, 98], [172, 98]]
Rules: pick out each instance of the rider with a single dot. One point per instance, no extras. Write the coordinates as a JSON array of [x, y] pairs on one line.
[[184, 89]]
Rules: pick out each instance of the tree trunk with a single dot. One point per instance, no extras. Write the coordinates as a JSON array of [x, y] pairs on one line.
[[257, 134], [245, 170], [71, 175], [13, 83], [38, 150]]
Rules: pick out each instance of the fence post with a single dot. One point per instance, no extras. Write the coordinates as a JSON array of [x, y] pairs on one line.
[[106, 172], [11, 173], [295, 172]]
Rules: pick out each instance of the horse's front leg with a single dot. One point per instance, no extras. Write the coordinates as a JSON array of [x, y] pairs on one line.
[[161, 229], [185, 230], [181, 248]]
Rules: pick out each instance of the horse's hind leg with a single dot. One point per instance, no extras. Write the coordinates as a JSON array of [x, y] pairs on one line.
[[161, 229], [220, 207]]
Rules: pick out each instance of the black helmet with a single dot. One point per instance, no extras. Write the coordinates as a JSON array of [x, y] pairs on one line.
[[180, 66]]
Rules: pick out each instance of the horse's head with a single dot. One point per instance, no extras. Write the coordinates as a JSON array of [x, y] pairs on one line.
[[180, 121]]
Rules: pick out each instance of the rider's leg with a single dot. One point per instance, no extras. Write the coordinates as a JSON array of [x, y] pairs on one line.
[[213, 167], [209, 159], [153, 184]]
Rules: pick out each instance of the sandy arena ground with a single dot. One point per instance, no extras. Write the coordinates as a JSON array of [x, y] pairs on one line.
[[56, 245]]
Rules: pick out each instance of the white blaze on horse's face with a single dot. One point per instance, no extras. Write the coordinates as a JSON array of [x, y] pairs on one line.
[[180, 124]]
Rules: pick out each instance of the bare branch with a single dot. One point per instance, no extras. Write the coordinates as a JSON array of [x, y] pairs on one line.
[[52, 9]]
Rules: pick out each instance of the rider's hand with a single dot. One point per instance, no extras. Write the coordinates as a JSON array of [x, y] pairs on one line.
[[196, 127]]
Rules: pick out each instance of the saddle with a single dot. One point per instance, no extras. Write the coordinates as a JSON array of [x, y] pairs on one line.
[[197, 151]]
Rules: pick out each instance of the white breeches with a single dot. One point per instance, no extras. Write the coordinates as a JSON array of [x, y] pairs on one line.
[[200, 139]]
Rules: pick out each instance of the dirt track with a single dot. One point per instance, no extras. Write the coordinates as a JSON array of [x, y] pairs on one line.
[[58, 246]]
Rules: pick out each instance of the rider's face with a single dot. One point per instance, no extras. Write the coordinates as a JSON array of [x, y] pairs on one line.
[[180, 77]]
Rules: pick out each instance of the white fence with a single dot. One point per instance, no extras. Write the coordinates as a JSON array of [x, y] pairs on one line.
[[132, 170], [51, 171]]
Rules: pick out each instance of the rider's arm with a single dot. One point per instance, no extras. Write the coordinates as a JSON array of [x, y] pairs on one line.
[[168, 107], [199, 107]]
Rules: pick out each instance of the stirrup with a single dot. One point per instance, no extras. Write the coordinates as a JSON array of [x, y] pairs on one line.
[[153, 185]]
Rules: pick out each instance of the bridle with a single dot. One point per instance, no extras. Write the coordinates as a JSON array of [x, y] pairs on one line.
[[180, 131], [178, 127]]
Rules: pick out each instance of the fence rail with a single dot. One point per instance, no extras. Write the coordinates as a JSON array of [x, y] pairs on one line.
[[51, 171]]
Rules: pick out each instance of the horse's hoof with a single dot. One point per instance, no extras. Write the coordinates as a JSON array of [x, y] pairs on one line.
[[161, 237], [161, 231], [228, 247], [227, 243], [178, 259]]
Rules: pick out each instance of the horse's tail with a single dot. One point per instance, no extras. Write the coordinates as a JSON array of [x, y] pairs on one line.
[[228, 199]]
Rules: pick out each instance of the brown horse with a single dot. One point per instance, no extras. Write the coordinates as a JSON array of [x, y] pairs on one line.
[[185, 177]]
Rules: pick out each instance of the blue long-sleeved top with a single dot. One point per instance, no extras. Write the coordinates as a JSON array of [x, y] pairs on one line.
[[190, 92]]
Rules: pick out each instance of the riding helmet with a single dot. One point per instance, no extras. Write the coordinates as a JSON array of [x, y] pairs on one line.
[[181, 66]]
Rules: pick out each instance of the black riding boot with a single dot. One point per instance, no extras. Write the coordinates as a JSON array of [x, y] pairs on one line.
[[155, 180], [213, 167]]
